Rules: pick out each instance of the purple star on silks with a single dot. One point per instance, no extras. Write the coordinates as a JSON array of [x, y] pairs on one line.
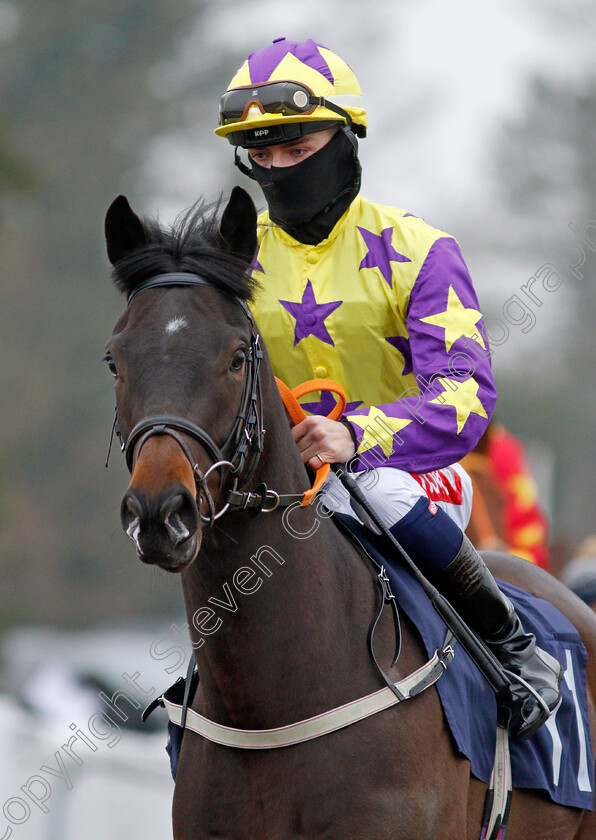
[[310, 316], [327, 403], [403, 345], [381, 252], [262, 63], [256, 265]]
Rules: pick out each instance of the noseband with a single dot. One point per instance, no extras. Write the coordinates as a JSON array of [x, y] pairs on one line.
[[238, 457]]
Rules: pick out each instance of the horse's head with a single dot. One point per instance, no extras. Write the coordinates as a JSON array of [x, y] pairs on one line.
[[183, 361]]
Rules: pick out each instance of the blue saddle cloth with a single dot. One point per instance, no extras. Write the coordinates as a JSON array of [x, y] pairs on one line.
[[558, 758]]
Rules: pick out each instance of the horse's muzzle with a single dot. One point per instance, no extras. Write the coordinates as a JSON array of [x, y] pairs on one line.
[[165, 527]]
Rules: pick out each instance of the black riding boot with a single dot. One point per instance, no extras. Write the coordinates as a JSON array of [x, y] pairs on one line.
[[475, 595]]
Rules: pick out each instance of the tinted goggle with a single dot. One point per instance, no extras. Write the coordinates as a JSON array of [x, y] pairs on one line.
[[286, 98]]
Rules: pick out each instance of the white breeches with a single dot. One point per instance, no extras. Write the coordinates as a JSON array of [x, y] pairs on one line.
[[393, 493]]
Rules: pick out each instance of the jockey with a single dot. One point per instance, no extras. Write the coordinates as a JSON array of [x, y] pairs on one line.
[[374, 298]]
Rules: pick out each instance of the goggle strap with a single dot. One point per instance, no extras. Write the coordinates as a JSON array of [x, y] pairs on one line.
[[324, 103], [242, 166]]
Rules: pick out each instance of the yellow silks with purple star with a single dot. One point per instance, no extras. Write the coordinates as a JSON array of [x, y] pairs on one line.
[[384, 306]]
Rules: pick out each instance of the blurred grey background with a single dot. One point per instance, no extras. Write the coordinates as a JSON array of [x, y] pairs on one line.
[[482, 120]]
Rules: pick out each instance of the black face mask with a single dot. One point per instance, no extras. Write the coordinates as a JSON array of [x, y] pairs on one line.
[[297, 194]]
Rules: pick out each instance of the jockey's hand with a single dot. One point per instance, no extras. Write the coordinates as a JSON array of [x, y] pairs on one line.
[[321, 440]]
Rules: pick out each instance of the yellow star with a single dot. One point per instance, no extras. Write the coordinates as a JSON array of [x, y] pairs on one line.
[[462, 396], [456, 320], [379, 429]]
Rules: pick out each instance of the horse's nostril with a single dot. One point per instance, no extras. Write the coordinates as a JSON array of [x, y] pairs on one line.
[[130, 514], [171, 505], [180, 516], [130, 509], [164, 527]]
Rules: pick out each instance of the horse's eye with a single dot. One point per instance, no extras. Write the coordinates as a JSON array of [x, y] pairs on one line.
[[111, 365], [238, 360]]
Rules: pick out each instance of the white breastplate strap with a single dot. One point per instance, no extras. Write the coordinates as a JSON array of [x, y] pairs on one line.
[[314, 727]]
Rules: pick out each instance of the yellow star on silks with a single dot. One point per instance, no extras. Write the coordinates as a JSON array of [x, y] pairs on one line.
[[457, 321], [379, 429], [462, 396]]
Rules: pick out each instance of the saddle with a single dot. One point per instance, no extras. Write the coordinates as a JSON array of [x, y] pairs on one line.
[[558, 759]]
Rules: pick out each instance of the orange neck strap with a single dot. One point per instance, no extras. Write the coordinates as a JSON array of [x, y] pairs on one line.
[[290, 400]]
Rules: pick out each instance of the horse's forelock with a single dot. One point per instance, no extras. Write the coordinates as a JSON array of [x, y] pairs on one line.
[[191, 244]]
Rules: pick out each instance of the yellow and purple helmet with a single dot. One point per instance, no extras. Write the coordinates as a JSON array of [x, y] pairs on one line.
[[288, 89]]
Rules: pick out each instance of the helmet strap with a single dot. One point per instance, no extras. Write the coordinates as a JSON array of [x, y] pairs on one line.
[[241, 165], [347, 130]]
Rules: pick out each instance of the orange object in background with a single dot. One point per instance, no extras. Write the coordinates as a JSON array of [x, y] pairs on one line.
[[506, 511]]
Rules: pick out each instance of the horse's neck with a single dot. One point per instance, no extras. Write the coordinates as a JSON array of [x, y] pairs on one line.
[[270, 614]]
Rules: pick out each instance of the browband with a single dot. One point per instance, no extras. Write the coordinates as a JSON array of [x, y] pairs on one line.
[[184, 278]]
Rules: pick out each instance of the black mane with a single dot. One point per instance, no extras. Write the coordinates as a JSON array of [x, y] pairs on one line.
[[192, 244]]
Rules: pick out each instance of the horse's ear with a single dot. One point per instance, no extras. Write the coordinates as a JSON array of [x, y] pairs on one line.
[[238, 228], [124, 230]]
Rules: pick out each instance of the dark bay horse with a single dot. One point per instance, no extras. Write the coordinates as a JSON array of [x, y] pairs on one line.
[[287, 639]]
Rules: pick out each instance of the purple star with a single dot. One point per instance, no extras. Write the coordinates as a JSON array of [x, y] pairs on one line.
[[256, 265], [310, 316], [381, 252], [327, 403], [403, 345], [263, 62]]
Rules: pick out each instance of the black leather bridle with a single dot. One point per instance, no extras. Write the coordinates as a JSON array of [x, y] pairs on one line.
[[237, 459]]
